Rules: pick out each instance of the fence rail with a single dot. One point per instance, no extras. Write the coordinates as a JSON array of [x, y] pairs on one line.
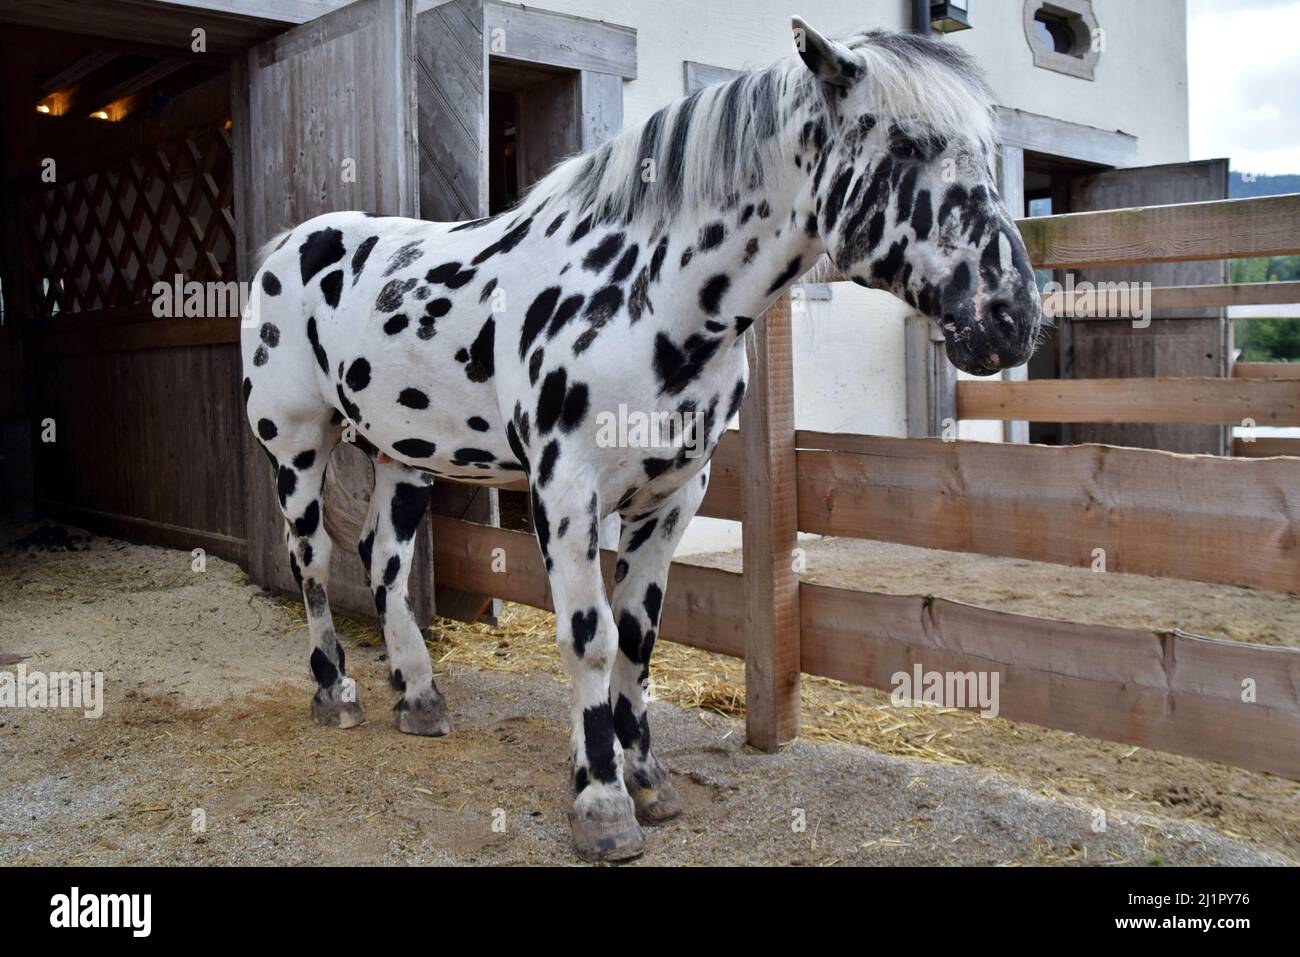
[[1190, 399], [1265, 447], [1222, 229], [1266, 370], [1114, 301], [1196, 517]]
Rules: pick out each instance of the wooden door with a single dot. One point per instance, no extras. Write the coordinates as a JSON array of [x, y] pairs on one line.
[[324, 119], [451, 56], [1188, 342]]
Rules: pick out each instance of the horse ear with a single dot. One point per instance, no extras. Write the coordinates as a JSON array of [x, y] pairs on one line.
[[832, 63]]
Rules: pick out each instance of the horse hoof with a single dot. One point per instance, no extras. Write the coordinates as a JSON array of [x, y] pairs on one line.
[[602, 839], [610, 842], [423, 716], [655, 805], [336, 714]]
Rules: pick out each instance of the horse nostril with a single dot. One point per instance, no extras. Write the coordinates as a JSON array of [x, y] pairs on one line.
[[1000, 309]]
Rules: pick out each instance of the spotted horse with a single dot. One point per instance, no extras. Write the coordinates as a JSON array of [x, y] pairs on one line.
[[485, 352]]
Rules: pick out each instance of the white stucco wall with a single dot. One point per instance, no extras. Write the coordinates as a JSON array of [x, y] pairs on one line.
[[1140, 85], [849, 354]]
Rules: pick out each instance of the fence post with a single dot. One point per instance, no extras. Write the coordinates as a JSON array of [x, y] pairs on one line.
[[769, 512]]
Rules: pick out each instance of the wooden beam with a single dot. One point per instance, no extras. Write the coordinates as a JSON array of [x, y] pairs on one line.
[[696, 76], [130, 86], [930, 379], [1266, 370], [1193, 399], [1163, 690], [75, 72], [1223, 229], [1265, 447], [88, 333], [1060, 138], [285, 12], [146, 531], [1203, 518], [600, 103], [769, 533], [558, 39]]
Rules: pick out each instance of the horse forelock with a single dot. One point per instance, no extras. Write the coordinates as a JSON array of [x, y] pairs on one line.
[[933, 87]]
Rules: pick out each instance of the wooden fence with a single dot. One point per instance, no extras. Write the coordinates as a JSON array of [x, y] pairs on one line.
[[1227, 520]]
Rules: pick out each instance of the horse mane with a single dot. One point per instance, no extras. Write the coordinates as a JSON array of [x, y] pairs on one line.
[[709, 146]]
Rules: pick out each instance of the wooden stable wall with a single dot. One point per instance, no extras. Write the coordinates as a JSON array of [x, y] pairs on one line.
[[134, 400], [1187, 342], [131, 425]]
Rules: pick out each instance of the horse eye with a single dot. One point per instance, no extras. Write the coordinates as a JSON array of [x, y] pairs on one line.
[[906, 150]]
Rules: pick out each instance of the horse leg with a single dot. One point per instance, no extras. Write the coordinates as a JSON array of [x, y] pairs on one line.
[[397, 506], [602, 819], [300, 448], [645, 550]]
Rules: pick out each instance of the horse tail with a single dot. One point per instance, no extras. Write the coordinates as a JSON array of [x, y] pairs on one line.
[[267, 248]]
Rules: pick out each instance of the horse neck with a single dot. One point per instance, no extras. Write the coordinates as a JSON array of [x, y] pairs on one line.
[[787, 197]]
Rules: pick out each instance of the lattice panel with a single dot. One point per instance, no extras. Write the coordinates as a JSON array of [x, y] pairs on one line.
[[103, 239]]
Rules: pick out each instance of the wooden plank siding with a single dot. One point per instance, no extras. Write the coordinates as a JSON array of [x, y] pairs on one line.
[[1168, 691], [353, 66], [133, 329], [1190, 342], [143, 445], [451, 70]]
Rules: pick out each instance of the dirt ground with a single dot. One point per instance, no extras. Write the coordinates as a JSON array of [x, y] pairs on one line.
[[206, 710]]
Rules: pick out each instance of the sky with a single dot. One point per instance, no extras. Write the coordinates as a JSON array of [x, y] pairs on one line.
[[1243, 65]]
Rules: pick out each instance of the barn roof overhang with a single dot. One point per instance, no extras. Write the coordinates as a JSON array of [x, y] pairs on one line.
[[229, 25]]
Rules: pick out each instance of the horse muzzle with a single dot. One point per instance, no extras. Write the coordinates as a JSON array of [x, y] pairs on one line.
[[1001, 335]]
